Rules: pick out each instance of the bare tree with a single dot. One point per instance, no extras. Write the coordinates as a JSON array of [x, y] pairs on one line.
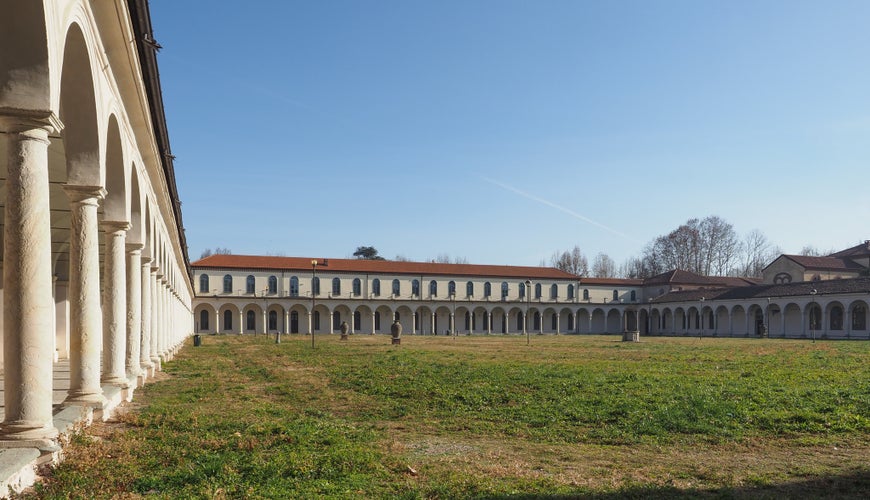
[[706, 246], [571, 261], [634, 268], [603, 266], [758, 251], [217, 251], [810, 251], [444, 258], [401, 258]]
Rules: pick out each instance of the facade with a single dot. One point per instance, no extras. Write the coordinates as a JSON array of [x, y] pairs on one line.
[[95, 267], [251, 294]]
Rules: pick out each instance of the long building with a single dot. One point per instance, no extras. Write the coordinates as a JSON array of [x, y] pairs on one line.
[[255, 294]]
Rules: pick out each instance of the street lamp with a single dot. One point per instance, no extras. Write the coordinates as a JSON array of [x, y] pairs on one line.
[[313, 289], [526, 317], [813, 292]]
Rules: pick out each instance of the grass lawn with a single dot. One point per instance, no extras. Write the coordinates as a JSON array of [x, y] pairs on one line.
[[488, 417]]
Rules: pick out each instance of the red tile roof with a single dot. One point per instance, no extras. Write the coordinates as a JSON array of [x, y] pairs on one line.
[[611, 281], [379, 266], [862, 250], [825, 263]]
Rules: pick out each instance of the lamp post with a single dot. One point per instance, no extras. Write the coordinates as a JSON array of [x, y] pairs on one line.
[[313, 290], [526, 317], [813, 292]]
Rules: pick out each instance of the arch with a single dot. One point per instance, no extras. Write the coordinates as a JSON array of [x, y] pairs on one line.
[[383, 316], [836, 316], [858, 316], [116, 205], [227, 324], [205, 318], [78, 112], [614, 322], [25, 81], [135, 235], [598, 323]]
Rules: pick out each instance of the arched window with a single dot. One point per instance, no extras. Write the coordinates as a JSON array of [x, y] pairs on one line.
[[315, 285], [815, 315], [634, 296], [357, 287], [203, 320], [294, 286], [203, 283], [487, 289], [570, 292], [433, 288], [228, 320], [505, 289], [250, 321], [537, 290], [357, 319], [228, 284], [415, 288], [397, 288], [273, 320], [294, 322], [316, 321], [336, 286], [859, 317], [376, 287], [616, 295], [836, 318], [554, 291], [585, 294], [250, 284], [469, 289], [451, 288], [522, 290], [273, 284]]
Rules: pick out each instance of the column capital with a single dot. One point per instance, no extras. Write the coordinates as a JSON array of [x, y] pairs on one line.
[[21, 120], [146, 261], [115, 226], [134, 248], [84, 194]]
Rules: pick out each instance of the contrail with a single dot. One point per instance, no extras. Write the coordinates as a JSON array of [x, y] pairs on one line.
[[557, 207]]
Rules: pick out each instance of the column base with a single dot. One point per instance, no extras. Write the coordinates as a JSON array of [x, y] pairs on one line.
[[122, 382], [20, 435], [90, 400]]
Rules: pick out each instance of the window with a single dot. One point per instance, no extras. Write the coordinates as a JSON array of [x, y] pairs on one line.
[[250, 284], [815, 317], [294, 322], [357, 287], [415, 288], [634, 296], [336, 286], [522, 290], [859, 318], [554, 291], [433, 288], [250, 321], [203, 320], [487, 289], [228, 320], [570, 292], [273, 285], [357, 319], [397, 288], [451, 288], [505, 289], [294, 286], [585, 294], [376, 287], [273, 320], [228, 284], [469, 289], [616, 295], [315, 285], [537, 290], [203, 283]]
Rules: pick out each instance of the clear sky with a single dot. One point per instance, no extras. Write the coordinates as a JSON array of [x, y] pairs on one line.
[[503, 131]]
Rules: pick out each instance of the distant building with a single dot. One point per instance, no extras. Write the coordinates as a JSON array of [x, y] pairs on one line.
[[849, 263]]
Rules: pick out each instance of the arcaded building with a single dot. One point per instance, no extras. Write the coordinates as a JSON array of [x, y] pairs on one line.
[[95, 270]]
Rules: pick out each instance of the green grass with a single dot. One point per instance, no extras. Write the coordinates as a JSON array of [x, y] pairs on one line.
[[488, 417]]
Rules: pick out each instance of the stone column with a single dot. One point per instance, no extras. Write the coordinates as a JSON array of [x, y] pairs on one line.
[[134, 310], [373, 322], [432, 324], [310, 323], [115, 304], [331, 317], [85, 315], [145, 339], [488, 316], [286, 320], [163, 334], [577, 322], [265, 323], [452, 325], [155, 317], [241, 322], [558, 322], [28, 306]]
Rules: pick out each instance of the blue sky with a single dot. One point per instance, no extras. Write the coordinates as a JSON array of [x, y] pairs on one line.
[[503, 131]]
